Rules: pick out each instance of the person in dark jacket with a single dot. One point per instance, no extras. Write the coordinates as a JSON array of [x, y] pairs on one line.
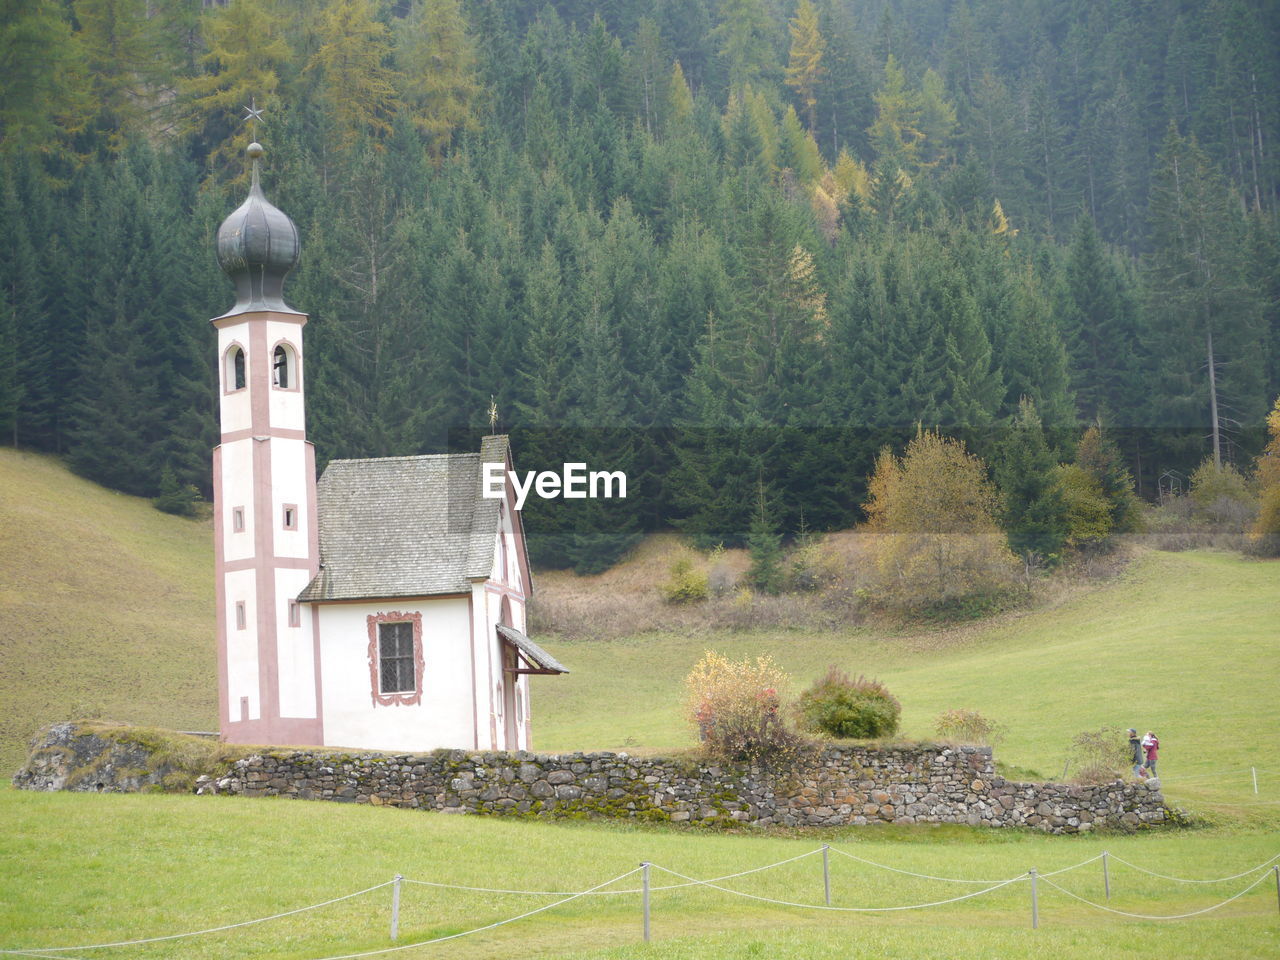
[[1136, 755]]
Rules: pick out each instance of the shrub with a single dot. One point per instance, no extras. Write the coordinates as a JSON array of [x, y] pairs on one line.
[[1099, 756], [968, 726], [1221, 495], [176, 498], [851, 709], [687, 584], [812, 566], [1264, 536], [737, 706]]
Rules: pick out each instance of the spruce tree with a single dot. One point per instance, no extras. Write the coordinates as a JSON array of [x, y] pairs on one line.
[[1033, 512]]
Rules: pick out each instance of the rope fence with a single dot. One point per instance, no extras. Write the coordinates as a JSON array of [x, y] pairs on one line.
[[1270, 867]]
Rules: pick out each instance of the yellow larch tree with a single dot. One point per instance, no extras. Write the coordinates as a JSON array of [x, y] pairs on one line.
[[436, 59], [804, 69]]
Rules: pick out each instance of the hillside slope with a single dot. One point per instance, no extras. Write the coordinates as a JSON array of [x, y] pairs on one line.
[[106, 607]]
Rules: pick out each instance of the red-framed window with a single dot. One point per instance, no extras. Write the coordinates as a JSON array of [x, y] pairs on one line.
[[395, 658]]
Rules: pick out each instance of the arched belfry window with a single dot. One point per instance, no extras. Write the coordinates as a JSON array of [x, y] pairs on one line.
[[235, 375], [284, 367]]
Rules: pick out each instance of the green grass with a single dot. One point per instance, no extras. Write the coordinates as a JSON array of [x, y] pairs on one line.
[[1187, 644], [122, 867], [106, 607]]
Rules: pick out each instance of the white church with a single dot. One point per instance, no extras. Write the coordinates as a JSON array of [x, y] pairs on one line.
[[382, 608]]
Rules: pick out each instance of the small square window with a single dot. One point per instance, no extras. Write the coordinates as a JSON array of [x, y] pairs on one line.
[[295, 614], [240, 618], [237, 520], [291, 516]]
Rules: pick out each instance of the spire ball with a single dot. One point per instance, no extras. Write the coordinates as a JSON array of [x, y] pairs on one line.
[[254, 150]]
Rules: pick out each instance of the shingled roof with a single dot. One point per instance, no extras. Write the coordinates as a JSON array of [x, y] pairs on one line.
[[405, 526]]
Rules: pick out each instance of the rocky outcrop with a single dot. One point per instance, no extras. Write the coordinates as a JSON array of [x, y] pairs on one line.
[[70, 757]]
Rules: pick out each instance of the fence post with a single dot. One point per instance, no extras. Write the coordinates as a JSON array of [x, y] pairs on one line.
[[395, 907], [645, 896], [1276, 871], [1255, 780], [1035, 907], [1106, 875], [826, 873]]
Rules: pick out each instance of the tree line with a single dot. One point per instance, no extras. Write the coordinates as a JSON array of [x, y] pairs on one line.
[[733, 247]]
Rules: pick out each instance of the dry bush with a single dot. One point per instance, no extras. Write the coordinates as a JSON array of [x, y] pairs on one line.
[[1099, 756], [968, 726], [739, 708]]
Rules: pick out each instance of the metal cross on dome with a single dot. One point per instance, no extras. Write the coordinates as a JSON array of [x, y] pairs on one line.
[[252, 115]]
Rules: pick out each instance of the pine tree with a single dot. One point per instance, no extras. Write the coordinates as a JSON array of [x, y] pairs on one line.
[[764, 543], [895, 135], [1100, 327], [804, 71], [937, 121], [679, 102], [1205, 315], [745, 48], [1034, 513], [1099, 457]]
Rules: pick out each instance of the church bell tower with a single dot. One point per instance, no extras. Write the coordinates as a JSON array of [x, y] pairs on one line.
[[264, 481]]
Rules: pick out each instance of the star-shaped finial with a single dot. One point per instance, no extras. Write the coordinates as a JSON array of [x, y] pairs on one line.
[[252, 115]]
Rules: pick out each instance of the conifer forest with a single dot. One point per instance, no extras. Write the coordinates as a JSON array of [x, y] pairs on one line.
[[735, 248]]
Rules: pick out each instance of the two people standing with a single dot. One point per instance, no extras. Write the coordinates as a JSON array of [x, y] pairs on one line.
[[1143, 753]]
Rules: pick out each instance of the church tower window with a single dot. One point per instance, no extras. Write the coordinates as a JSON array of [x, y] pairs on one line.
[[235, 373], [284, 370]]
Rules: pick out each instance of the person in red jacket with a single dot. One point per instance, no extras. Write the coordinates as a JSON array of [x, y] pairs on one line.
[[1151, 744]]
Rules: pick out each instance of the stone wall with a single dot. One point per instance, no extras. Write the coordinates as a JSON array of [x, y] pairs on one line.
[[841, 785], [845, 785]]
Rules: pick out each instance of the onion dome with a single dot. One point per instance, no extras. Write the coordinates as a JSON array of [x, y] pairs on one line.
[[258, 245]]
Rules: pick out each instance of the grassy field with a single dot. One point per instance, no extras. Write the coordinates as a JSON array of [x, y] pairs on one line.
[[106, 607], [125, 867], [104, 602]]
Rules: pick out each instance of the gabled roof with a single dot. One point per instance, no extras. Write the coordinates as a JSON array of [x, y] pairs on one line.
[[405, 526]]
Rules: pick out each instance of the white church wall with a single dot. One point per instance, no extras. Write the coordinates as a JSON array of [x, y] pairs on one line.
[[236, 491], [295, 648], [289, 478], [444, 715], [242, 645]]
